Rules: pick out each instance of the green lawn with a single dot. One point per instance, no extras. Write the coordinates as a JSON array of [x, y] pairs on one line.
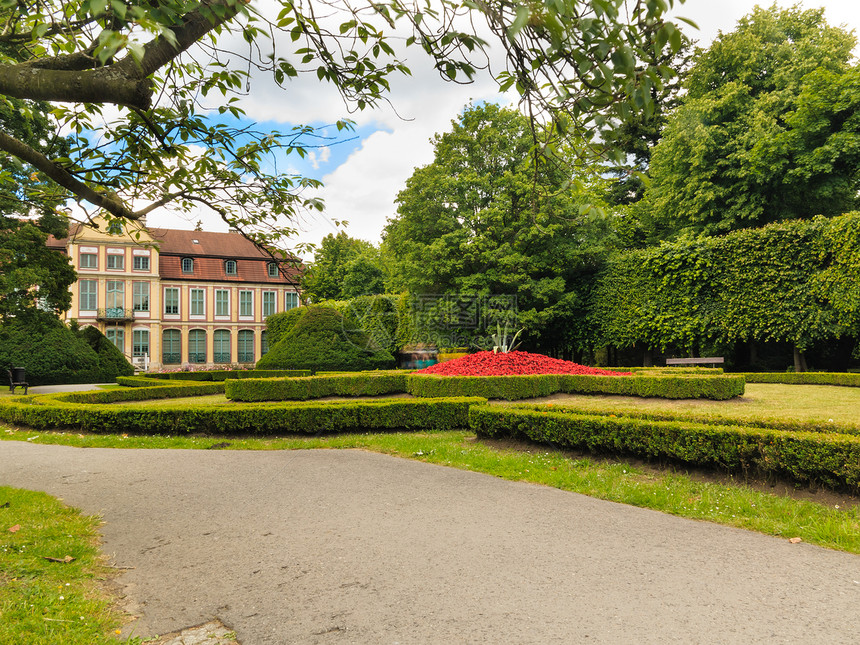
[[760, 401], [42, 601]]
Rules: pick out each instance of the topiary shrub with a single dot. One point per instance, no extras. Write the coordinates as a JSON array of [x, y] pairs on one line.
[[49, 351], [280, 324], [320, 340], [112, 362]]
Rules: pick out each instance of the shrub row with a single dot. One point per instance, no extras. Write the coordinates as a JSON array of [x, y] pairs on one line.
[[804, 378], [658, 371], [808, 457], [315, 387], [221, 375], [717, 387], [301, 418], [491, 387]]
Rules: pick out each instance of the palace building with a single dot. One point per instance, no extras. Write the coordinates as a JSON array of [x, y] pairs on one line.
[[173, 299]]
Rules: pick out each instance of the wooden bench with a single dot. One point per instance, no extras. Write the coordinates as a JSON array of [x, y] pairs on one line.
[[705, 360], [17, 377]]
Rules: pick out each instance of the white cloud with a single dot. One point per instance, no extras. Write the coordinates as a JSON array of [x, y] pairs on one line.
[[362, 189], [319, 158]]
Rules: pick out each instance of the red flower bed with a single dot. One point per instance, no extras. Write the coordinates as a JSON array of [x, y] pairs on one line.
[[510, 364]]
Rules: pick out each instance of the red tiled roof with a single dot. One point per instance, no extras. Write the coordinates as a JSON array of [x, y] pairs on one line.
[[209, 251], [209, 269], [221, 245]]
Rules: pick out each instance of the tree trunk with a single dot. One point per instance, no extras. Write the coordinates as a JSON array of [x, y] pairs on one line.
[[648, 360], [799, 360], [753, 353]]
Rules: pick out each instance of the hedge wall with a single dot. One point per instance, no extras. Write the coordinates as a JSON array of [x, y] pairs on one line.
[[718, 387], [290, 418], [809, 457], [805, 378], [790, 282], [315, 387], [491, 387]]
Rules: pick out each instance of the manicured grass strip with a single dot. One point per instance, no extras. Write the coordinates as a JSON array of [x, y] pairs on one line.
[[766, 404], [43, 602], [137, 390], [804, 378], [729, 504], [307, 418], [315, 387], [808, 457]]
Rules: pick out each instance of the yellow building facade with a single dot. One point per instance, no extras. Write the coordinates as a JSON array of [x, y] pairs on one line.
[[172, 299]]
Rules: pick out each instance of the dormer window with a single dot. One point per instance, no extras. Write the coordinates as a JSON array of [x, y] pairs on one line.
[[273, 269], [187, 265], [230, 267]]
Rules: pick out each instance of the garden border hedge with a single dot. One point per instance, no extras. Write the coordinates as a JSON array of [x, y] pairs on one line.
[[315, 387], [847, 379], [717, 387], [292, 418], [808, 457]]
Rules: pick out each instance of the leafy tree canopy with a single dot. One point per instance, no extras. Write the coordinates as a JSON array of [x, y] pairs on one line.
[[768, 132], [33, 278], [344, 268], [481, 220], [155, 63]]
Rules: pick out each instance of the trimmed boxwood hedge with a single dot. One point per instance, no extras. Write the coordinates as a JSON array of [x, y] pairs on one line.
[[263, 419], [491, 387], [808, 457], [717, 387], [804, 378], [315, 387]]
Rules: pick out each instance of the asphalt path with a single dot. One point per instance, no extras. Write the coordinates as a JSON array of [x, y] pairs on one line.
[[333, 546]]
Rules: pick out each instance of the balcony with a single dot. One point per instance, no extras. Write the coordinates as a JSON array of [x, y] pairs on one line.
[[115, 314]]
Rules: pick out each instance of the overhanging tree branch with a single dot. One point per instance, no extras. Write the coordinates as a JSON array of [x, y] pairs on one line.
[[122, 83], [108, 201]]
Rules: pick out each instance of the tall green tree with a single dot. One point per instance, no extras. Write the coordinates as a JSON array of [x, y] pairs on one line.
[[758, 139], [344, 267], [33, 278], [157, 61], [483, 219]]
